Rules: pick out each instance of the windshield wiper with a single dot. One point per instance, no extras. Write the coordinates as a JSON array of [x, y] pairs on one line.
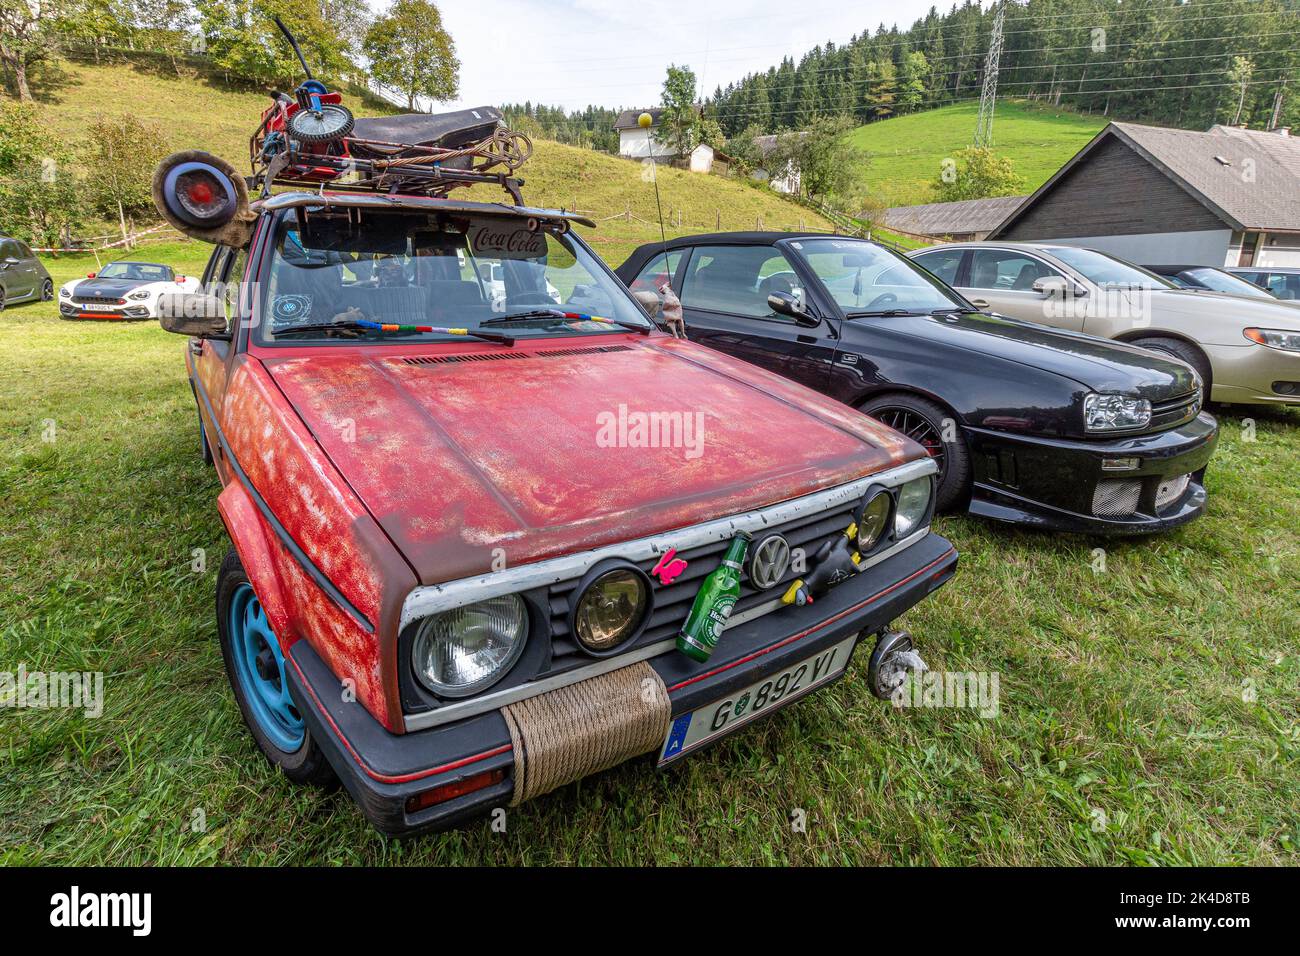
[[365, 325], [882, 312], [562, 314]]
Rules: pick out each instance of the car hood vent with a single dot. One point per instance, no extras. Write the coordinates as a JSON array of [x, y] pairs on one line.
[[509, 356], [590, 350], [470, 357]]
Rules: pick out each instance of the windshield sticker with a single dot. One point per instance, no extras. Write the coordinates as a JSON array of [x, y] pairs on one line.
[[506, 242], [287, 308]]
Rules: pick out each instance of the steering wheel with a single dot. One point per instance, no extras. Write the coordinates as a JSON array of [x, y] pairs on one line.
[[885, 298]]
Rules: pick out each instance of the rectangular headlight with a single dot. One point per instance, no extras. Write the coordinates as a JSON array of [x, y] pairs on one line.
[[1104, 413], [1275, 338]]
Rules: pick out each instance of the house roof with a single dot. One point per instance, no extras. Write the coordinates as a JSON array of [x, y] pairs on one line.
[[628, 118], [1248, 178], [767, 143], [952, 218]]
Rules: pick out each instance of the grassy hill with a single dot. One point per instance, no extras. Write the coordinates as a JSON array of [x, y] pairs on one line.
[[198, 111], [906, 152]]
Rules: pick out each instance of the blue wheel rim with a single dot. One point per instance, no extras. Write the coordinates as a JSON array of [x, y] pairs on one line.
[[259, 666]]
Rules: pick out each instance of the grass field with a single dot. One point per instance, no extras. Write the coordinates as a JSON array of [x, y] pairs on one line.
[[1148, 713], [906, 152]]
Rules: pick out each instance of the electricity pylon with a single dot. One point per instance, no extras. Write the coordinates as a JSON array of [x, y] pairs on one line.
[[989, 92]]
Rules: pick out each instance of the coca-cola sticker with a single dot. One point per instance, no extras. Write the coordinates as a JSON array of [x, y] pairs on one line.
[[507, 241]]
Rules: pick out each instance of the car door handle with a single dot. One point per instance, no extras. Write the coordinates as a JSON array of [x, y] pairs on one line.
[[980, 303]]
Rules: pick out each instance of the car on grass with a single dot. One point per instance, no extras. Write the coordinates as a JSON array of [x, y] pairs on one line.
[[1026, 424], [122, 291], [461, 551], [22, 276], [1245, 350]]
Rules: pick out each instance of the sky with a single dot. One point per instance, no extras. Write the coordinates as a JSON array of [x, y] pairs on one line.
[[572, 53]]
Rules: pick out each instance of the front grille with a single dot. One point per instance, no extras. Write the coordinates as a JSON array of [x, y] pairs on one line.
[[97, 300], [1176, 411], [1116, 498], [1171, 489], [673, 602]]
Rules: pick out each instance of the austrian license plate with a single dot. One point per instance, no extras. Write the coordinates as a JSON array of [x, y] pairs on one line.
[[697, 727]]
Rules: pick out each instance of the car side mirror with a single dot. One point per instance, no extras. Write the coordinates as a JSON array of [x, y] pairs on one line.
[[1058, 287], [193, 313], [10, 261], [783, 303]]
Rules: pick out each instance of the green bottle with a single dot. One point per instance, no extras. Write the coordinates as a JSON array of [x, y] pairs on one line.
[[713, 603]]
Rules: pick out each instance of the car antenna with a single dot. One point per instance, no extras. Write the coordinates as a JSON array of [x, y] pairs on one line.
[[293, 43], [646, 122]]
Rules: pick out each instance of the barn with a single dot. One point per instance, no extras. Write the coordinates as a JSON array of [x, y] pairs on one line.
[[1225, 197]]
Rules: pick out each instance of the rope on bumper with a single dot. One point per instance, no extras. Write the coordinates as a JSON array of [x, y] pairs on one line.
[[564, 735]]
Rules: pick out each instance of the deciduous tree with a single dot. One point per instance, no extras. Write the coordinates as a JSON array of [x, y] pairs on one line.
[[410, 51]]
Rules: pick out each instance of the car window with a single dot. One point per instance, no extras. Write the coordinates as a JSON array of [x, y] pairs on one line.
[[1219, 281], [1108, 271], [1005, 270], [1283, 285], [24, 251], [419, 269], [8, 249], [864, 277], [738, 280], [942, 262], [654, 273]]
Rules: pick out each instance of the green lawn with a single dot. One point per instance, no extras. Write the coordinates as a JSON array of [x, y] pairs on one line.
[[1159, 695], [907, 151]]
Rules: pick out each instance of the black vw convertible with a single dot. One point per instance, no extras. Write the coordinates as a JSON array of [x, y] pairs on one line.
[[1028, 424]]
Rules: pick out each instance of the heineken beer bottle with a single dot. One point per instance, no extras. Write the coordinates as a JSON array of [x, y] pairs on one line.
[[713, 603]]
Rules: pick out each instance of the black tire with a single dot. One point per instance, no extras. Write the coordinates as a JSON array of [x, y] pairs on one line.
[[47, 290], [923, 421], [346, 122], [2, 299], [1183, 351], [307, 764]]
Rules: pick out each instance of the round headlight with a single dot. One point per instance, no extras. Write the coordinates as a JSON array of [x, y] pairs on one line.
[[462, 651], [913, 503], [873, 519], [611, 609]]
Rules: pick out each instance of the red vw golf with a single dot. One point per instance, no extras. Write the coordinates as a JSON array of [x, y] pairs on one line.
[[473, 490]]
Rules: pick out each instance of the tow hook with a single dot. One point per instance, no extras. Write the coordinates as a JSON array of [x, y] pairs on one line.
[[891, 659]]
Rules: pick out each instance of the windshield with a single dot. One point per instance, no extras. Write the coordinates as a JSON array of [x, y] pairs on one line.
[[1226, 282], [1107, 271], [863, 277], [432, 269], [138, 271]]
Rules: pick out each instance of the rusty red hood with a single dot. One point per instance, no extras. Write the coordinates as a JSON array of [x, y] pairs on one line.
[[472, 459]]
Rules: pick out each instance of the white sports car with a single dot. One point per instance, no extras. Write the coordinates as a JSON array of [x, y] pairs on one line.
[[122, 291]]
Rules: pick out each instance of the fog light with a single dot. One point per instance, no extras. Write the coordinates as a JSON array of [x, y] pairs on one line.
[[1119, 464], [611, 608], [873, 519]]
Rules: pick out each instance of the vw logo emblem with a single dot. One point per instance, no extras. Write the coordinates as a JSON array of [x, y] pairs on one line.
[[769, 562]]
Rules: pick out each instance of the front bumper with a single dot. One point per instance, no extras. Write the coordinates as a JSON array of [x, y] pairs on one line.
[[383, 770], [1251, 374], [1052, 483], [131, 312]]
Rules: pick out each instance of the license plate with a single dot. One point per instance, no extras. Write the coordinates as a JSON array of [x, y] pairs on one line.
[[697, 727]]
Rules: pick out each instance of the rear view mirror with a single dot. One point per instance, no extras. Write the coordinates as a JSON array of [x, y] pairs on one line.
[[193, 313], [783, 303]]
